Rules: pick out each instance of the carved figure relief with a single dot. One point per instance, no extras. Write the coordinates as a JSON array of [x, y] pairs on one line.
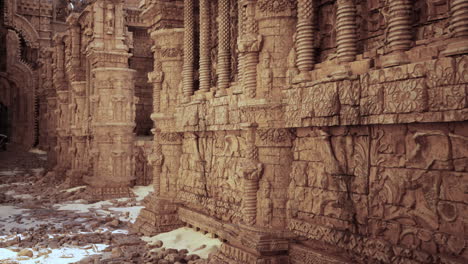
[[109, 19]]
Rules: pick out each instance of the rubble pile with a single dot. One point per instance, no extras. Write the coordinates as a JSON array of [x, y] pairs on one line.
[[46, 218]]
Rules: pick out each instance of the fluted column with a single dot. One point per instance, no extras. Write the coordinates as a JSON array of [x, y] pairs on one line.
[[249, 45], [188, 50], [205, 46], [305, 39], [156, 160], [346, 38], [240, 57], [399, 32], [224, 62], [251, 171], [458, 27]]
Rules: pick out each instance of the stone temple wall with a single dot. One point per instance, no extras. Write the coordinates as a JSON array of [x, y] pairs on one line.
[[297, 131], [339, 136]]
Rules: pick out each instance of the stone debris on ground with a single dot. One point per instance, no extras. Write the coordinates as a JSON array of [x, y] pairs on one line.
[[40, 219]]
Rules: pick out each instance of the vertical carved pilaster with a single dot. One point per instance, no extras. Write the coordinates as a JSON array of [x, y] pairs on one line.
[[251, 172], [399, 32], [188, 49], [346, 38], [156, 159], [458, 27], [59, 74], [205, 36], [157, 77], [224, 63], [249, 45], [305, 35]]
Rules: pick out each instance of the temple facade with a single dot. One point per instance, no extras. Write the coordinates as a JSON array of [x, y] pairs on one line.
[[296, 131]]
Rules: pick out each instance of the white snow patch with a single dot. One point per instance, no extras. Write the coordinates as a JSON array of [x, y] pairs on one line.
[[74, 189], [6, 211], [133, 211], [80, 207], [142, 191], [37, 151], [37, 171], [56, 256], [187, 238], [13, 172], [7, 254]]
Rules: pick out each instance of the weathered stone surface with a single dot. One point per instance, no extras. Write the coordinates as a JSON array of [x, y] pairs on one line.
[[342, 123]]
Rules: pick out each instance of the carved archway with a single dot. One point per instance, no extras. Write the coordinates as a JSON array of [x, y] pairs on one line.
[[20, 24], [21, 77]]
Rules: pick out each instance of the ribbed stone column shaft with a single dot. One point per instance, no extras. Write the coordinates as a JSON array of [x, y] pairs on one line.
[[399, 36], [188, 49], [224, 62], [346, 38], [205, 35], [305, 31]]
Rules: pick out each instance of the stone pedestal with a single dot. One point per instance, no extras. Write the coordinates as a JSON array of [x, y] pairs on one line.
[[158, 216]]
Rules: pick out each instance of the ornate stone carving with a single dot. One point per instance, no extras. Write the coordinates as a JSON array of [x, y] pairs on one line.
[[188, 49]]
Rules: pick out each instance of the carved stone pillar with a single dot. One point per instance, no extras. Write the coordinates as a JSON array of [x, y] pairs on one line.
[[189, 42], [168, 64], [59, 71], [113, 126], [305, 39], [205, 46], [224, 63], [78, 151], [156, 78], [253, 242], [346, 38], [399, 32], [160, 212], [51, 131], [155, 159], [458, 27], [240, 28], [249, 45], [112, 103], [251, 172]]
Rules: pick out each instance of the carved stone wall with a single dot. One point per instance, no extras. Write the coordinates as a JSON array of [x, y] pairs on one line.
[[209, 174], [294, 146], [381, 185], [302, 131]]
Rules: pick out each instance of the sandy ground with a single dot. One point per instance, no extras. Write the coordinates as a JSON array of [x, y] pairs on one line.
[[42, 222]]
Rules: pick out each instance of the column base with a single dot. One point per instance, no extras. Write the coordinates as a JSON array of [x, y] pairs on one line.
[[221, 93], [106, 193], [158, 216], [74, 178], [395, 59], [302, 77], [341, 71], [458, 47]]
